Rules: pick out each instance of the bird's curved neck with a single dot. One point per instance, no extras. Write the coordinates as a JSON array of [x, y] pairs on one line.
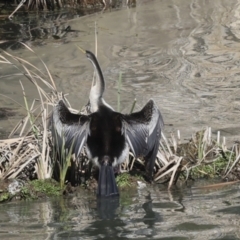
[[98, 87]]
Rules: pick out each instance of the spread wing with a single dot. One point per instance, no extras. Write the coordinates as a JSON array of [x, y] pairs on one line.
[[143, 132], [69, 130]]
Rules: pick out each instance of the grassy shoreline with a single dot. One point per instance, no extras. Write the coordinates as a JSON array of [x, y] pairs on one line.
[[29, 155]]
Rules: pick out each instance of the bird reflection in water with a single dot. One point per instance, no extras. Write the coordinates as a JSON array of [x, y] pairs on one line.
[[107, 208]]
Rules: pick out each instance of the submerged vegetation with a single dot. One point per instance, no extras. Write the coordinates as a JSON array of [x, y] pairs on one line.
[[28, 153]]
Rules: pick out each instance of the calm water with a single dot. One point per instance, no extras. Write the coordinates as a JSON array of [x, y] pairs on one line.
[[185, 213], [184, 54]]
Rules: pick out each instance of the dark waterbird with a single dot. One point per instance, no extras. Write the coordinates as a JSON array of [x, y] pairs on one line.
[[108, 135]]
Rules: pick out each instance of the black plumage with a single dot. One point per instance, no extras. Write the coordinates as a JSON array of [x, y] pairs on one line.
[[107, 134]]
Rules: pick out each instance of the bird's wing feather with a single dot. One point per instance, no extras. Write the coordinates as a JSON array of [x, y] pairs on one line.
[[143, 132], [69, 130]]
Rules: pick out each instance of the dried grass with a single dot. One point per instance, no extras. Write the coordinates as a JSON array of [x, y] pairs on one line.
[[33, 146]]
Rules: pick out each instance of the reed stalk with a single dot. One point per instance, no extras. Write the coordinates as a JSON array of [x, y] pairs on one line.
[[119, 92], [133, 105]]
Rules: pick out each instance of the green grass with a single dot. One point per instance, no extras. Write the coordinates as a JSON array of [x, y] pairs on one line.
[[48, 186], [210, 170], [123, 180], [127, 180], [40, 188], [4, 197]]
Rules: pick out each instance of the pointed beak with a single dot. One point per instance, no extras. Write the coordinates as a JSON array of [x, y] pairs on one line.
[[82, 50]]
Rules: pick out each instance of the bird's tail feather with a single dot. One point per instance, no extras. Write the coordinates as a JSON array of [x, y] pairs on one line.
[[106, 182]]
